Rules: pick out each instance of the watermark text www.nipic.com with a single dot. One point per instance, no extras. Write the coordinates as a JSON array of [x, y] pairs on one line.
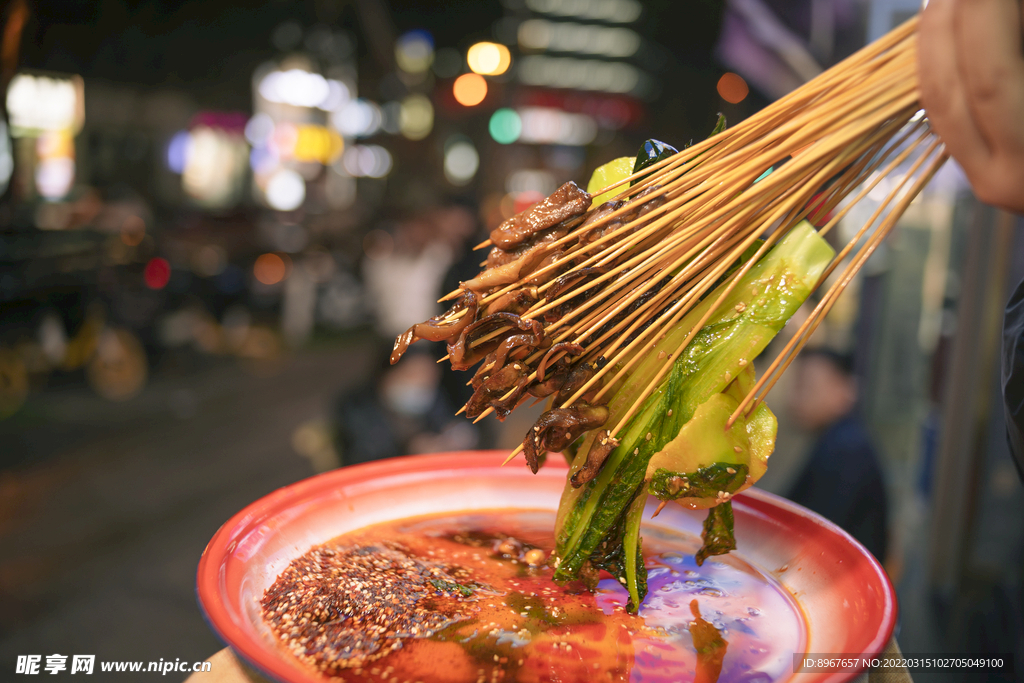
[[86, 664]]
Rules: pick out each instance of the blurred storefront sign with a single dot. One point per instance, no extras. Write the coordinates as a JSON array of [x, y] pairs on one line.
[[55, 163], [211, 157], [301, 88], [299, 128], [42, 103], [46, 112]]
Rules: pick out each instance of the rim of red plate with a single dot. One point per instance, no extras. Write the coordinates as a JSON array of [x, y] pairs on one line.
[[219, 551]]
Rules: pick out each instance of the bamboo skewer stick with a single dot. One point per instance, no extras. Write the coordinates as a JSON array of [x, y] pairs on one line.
[[800, 339], [652, 385], [813, 153], [879, 234]]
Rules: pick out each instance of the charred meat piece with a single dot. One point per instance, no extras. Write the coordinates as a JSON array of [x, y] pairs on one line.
[[555, 375], [648, 205], [600, 231], [551, 376], [579, 376], [549, 258], [567, 347], [499, 257], [444, 327], [505, 267], [603, 446], [568, 282], [492, 390], [508, 272], [516, 346], [518, 301], [590, 234], [463, 354], [558, 428], [640, 205], [565, 202]]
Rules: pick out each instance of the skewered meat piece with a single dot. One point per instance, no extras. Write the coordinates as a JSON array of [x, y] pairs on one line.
[[565, 202]]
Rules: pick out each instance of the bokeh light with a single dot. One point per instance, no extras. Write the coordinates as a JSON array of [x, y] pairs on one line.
[[469, 89], [258, 130], [54, 177], [505, 126], [209, 260], [580, 74], [55, 169], [416, 117], [548, 125], [567, 36], [732, 88], [317, 143], [301, 88], [177, 152], [414, 51], [612, 11], [269, 269], [337, 95], [44, 103], [489, 59], [215, 162], [157, 273], [358, 118], [367, 161], [286, 190], [282, 142], [521, 201], [461, 161], [6, 157]]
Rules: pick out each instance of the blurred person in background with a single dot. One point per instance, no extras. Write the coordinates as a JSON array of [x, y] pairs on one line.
[[842, 479], [402, 410], [406, 408], [405, 269], [403, 272]]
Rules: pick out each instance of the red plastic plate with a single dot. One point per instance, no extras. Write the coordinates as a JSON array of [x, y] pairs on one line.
[[847, 599]]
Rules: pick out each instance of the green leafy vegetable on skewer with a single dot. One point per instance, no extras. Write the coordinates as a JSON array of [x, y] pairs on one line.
[[659, 421], [702, 389]]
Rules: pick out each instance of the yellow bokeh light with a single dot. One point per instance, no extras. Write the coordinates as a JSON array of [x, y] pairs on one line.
[[489, 59], [469, 89], [317, 143]]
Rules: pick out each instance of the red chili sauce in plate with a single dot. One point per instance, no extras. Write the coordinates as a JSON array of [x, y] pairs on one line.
[[469, 598]]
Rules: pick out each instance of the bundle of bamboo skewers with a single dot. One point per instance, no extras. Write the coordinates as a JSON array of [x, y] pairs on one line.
[[605, 287]]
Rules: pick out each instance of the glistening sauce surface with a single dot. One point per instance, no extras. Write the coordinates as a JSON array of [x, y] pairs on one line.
[[454, 598]]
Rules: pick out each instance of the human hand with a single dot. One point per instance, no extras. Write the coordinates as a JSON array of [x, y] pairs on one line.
[[971, 69]]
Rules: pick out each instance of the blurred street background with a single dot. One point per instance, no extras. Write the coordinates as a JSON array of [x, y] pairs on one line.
[[216, 215]]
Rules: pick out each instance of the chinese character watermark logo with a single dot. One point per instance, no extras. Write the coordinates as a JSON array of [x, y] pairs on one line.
[[28, 664], [83, 664], [56, 663]]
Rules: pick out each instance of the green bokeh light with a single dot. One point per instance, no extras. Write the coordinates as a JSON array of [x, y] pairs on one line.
[[505, 126]]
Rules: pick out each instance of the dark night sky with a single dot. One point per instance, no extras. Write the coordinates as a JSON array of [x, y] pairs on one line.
[[209, 43], [141, 40], [154, 41]]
